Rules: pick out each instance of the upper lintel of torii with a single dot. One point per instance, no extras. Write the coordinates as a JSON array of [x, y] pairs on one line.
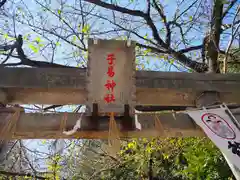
[[109, 61], [68, 86]]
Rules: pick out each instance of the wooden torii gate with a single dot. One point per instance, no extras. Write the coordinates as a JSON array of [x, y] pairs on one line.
[[155, 91]]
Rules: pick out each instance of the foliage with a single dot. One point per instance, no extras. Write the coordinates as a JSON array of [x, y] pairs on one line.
[[233, 61], [169, 36], [173, 38], [171, 158]]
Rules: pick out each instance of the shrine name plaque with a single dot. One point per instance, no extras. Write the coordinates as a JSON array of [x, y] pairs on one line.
[[111, 75]]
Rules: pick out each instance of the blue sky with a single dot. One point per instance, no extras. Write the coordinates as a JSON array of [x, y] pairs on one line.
[[170, 9], [154, 63]]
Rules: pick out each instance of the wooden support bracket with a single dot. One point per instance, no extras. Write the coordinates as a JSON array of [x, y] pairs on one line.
[[127, 122], [3, 96]]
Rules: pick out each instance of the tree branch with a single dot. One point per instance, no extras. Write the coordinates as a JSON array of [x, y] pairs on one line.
[[52, 107], [164, 47], [133, 13], [192, 48], [9, 54], [153, 49], [11, 64], [212, 45], [24, 59], [2, 3], [180, 28], [198, 67], [228, 8], [167, 25], [228, 26], [27, 61], [117, 8], [148, 7], [234, 32]]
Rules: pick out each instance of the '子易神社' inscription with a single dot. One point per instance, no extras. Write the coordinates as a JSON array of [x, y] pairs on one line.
[[111, 75]]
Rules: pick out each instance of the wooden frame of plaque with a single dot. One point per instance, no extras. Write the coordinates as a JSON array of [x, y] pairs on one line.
[[111, 76]]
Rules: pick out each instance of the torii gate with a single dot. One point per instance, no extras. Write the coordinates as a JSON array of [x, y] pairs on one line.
[[152, 91]]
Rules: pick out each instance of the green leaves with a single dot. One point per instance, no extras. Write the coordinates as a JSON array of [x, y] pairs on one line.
[[26, 37], [35, 45], [58, 43], [74, 38], [44, 141], [132, 145], [38, 40], [33, 48], [86, 29], [146, 36], [5, 35], [175, 158], [171, 61], [145, 52], [59, 12]]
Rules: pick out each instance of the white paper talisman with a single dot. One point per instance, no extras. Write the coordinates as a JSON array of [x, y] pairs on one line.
[[222, 128]]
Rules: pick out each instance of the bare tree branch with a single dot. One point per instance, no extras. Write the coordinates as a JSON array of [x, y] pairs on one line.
[[234, 32], [2, 3], [192, 48], [134, 13], [117, 8], [212, 39], [153, 49], [148, 7], [199, 67], [228, 8], [26, 61], [167, 25], [189, 7], [228, 26], [52, 107]]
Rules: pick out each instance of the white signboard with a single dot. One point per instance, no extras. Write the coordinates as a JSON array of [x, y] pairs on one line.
[[222, 128], [111, 75]]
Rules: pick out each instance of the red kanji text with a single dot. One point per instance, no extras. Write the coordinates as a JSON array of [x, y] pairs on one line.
[[109, 98], [110, 72], [110, 85], [110, 58]]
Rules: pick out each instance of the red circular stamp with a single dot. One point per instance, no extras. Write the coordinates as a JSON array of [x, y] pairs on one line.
[[218, 126]]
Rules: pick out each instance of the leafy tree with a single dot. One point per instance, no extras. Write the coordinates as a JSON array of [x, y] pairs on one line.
[[184, 35], [192, 37], [158, 158], [233, 64]]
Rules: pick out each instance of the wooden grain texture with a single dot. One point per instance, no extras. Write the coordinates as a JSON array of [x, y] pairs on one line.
[[123, 69], [47, 126], [3, 96], [37, 125], [68, 86]]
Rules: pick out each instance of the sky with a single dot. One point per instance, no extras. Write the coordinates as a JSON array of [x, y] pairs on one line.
[[61, 52], [154, 63]]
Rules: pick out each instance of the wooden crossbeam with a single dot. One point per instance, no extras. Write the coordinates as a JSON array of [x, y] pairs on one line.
[[67, 86], [47, 126]]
